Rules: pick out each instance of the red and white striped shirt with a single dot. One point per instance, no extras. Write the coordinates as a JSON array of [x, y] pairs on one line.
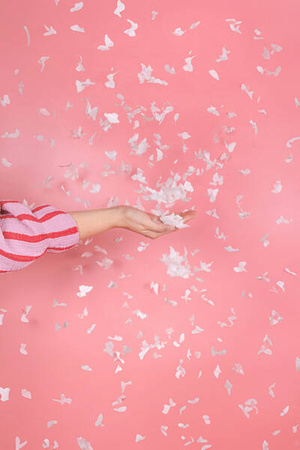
[[26, 234]]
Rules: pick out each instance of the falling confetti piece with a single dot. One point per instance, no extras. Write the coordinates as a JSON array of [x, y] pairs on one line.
[[77, 28], [42, 61], [131, 31], [112, 117], [234, 25], [5, 101], [84, 290], [179, 32], [81, 85], [77, 7], [11, 135], [120, 7], [290, 141], [214, 74], [50, 31], [28, 35], [108, 44], [223, 56], [4, 393]]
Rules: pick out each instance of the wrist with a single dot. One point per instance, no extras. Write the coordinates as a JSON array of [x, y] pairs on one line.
[[118, 216]]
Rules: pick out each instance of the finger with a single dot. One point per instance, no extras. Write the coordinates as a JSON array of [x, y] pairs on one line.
[[188, 218], [168, 231], [187, 215], [159, 228], [151, 234]]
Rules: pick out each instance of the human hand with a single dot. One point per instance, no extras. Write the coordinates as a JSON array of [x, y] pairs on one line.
[[143, 223]]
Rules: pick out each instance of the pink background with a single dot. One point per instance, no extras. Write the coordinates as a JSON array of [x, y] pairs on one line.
[[222, 364]]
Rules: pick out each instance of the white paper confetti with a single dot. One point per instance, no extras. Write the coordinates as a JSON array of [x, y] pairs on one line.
[[214, 74], [42, 61], [247, 90], [184, 135], [224, 56], [5, 101], [24, 315], [77, 7], [170, 191], [290, 141], [241, 267], [112, 117], [234, 25], [27, 34], [63, 400], [277, 187], [44, 112], [26, 394], [23, 350], [178, 266], [249, 405], [11, 135], [194, 25], [111, 155], [77, 28], [86, 367], [91, 112], [179, 32], [173, 220], [81, 85], [99, 421], [146, 75], [188, 67], [50, 31], [254, 125], [4, 393], [84, 444], [18, 443], [84, 290], [131, 31], [120, 7], [213, 110], [108, 44]]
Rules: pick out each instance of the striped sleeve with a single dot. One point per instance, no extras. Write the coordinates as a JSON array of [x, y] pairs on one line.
[[26, 234]]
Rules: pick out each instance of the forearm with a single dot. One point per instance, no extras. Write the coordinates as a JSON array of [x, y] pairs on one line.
[[94, 221]]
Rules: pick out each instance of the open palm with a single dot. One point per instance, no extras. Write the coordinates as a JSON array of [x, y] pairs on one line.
[[148, 224]]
